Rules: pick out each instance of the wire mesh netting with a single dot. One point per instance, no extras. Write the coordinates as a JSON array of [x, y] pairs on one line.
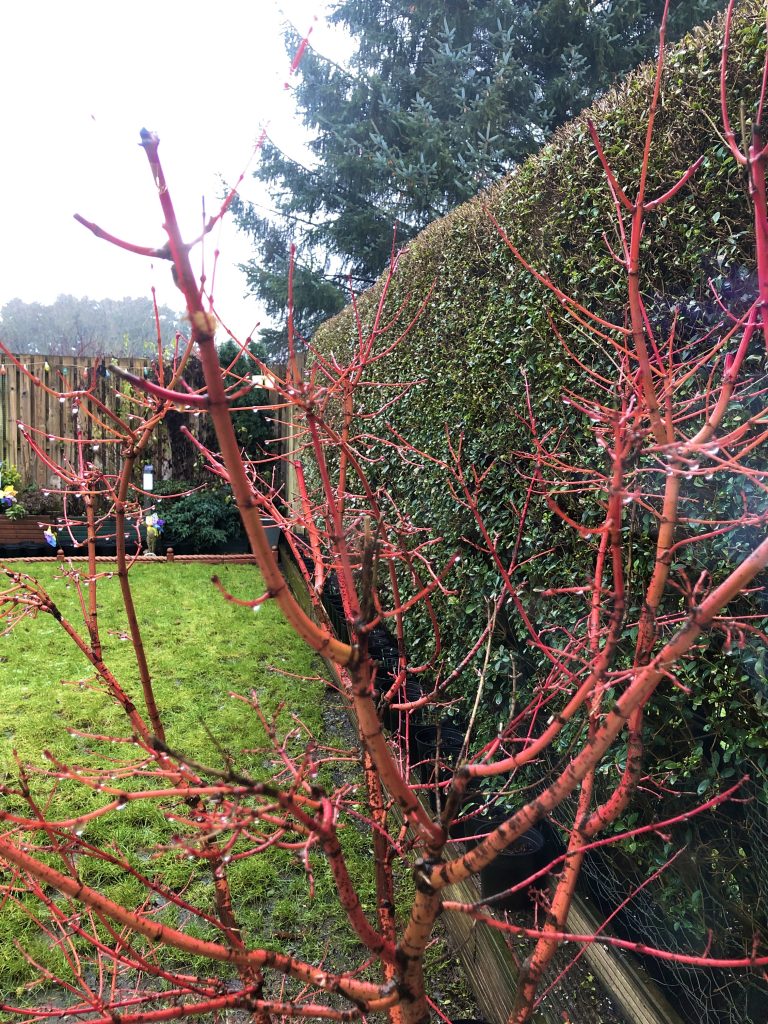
[[712, 901]]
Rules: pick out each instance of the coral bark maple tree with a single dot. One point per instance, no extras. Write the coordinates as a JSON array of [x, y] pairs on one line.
[[658, 421]]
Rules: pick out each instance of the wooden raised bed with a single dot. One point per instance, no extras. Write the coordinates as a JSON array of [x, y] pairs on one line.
[[26, 531], [20, 531]]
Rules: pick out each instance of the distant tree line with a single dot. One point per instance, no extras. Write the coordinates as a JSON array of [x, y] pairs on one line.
[[86, 327]]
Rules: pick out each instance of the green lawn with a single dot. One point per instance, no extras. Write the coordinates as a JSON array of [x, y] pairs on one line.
[[200, 649]]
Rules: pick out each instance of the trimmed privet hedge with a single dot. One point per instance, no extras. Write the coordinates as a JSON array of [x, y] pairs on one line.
[[486, 330], [486, 326]]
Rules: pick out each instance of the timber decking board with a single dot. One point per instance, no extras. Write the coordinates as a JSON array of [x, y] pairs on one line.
[[639, 997]]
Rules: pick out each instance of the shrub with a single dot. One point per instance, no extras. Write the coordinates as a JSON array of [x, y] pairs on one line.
[[41, 503], [201, 521], [10, 476]]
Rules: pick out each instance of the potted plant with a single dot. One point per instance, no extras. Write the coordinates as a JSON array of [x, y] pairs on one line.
[[10, 481], [23, 515], [395, 721], [154, 525], [521, 859], [18, 536], [14, 510], [437, 750]]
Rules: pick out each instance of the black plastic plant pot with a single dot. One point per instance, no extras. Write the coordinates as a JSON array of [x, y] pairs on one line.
[[398, 722], [431, 737], [333, 604], [388, 665], [381, 644], [463, 825], [437, 750], [515, 864], [553, 845], [339, 623], [331, 589]]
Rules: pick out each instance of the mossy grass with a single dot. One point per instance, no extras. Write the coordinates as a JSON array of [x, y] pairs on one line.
[[201, 649]]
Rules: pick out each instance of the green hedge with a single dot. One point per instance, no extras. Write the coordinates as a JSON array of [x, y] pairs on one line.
[[487, 320]]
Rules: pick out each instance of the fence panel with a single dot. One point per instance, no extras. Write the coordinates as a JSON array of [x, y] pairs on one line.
[[50, 422]]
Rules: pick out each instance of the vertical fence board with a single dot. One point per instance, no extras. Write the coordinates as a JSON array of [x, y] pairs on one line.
[[51, 422]]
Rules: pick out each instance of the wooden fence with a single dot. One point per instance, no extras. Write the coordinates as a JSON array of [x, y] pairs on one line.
[[49, 417], [288, 431]]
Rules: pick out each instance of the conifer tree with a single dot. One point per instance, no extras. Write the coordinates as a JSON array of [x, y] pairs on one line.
[[436, 101]]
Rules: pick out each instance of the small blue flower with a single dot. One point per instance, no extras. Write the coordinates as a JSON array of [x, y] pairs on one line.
[[154, 522]]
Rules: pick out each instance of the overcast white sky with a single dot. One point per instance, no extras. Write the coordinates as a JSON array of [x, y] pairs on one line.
[[79, 79]]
